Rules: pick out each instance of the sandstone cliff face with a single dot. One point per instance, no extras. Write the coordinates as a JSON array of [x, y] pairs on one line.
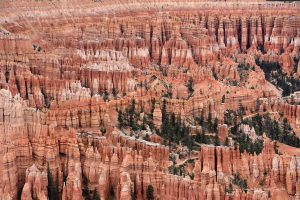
[[115, 162], [36, 184], [66, 73], [128, 45]]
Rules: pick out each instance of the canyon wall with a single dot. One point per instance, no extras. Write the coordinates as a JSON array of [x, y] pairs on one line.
[[67, 68]]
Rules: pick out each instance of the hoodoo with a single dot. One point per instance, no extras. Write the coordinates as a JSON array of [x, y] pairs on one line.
[[155, 99]]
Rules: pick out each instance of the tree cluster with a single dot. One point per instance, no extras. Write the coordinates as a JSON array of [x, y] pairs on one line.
[[230, 117], [243, 70], [86, 193], [208, 124], [130, 118], [181, 169], [241, 183], [245, 143], [275, 75], [174, 131], [280, 131]]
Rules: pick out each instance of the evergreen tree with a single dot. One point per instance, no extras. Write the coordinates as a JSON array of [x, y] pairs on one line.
[[165, 120], [114, 92], [132, 106], [53, 193], [257, 105], [241, 111], [47, 101], [209, 121], [286, 126], [105, 96], [96, 195], [276, 76], [187, 138], [230, 117], [205, 140], [230, 188], [276, 148], [216, 140], [131, 113], [190, 87], [198, 137], [215, 126], [120, 119], [152, 108], [111, 195], [242, 183], [85, 188], [143, 127], [134, 192], [164, 111], [261, 48], [150, 116], [132, 117], [276, 131], [258, 146], [273, 129], [201, 119], [223, 98], [147, 137], [149, 193], [257, 124]]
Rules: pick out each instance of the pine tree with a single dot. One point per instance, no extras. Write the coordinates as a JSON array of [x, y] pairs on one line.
[[85, 189], [144, 123], [96, 195], [190, 87], [229, 190], [286, 129], [257, 106], [216, 140], [120, 119], [204, 137], [164, 111], [111, 195], [215, 126], [152, 108], [132, 122], [241, 111], [201, 119], [146, 137], [173, 119], [276, 131], [209, 121], [149, 192], [165, 120], [114, 92], [53, 193], [229, 117], [198, 137], [223, 98], [187, 139], [134, 192], [105, 96]]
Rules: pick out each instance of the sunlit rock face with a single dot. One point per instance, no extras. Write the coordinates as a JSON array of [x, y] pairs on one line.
[[69, 70]]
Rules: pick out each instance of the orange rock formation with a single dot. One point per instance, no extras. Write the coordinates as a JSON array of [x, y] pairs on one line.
[[68, 67]]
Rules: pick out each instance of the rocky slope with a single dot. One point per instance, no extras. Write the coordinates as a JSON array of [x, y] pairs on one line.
[[102, 99]]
